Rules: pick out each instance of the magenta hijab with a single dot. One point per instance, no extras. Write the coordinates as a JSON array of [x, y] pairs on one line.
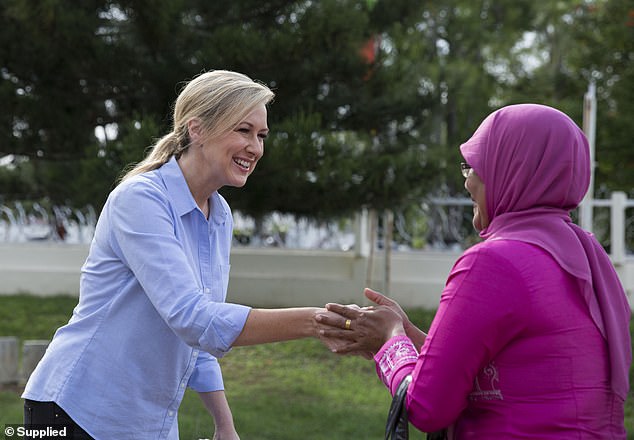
[[535, 165]]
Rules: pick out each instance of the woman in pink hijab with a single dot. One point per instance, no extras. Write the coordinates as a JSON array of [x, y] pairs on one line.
[[531, 337]]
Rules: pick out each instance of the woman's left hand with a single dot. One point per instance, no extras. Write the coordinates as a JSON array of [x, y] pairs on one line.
[[352, 330]]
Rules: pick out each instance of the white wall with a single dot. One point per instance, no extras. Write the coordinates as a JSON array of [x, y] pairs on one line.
[[263, 277], [41, 268]]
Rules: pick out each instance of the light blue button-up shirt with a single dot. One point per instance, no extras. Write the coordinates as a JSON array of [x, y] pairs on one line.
[[151, 312]]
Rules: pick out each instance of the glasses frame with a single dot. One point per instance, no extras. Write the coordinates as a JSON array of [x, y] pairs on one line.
[[465, 169]]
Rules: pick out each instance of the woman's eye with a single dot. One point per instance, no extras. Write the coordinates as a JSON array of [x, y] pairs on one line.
[[247, 131]]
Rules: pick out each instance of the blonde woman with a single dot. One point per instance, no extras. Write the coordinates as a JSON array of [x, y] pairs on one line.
[[151, 318]]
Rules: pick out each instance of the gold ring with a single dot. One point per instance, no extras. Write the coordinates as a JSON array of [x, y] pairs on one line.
[[347, 326]]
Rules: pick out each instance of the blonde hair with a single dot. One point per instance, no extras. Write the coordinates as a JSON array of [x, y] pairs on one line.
[[221, 99]]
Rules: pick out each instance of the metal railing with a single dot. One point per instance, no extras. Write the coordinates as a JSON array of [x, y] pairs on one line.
[[436, 223]]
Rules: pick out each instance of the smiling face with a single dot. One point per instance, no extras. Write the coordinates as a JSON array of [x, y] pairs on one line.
[[231, 158], [476, 189]]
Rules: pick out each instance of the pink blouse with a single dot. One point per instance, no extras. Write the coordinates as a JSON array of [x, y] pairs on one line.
[[511, 353]]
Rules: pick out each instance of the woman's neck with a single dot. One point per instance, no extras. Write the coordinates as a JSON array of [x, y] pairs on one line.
[[198, 186]]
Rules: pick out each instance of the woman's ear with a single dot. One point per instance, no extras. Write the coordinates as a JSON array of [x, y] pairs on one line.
[[195, 130]]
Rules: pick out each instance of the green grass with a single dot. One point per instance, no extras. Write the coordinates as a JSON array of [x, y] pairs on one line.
[[279, 391]]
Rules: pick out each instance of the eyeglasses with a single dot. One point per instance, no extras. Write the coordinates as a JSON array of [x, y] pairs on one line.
[[465, 169]]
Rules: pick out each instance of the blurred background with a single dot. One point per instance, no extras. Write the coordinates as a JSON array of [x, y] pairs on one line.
[[373, 99]]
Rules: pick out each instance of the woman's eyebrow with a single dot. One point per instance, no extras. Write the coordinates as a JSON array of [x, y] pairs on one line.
[[251, 125]]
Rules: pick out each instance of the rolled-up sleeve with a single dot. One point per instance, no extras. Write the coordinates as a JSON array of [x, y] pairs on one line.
[[207, 375], [154, 253]]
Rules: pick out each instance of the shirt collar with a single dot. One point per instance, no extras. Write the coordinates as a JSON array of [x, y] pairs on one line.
[[182, 197]]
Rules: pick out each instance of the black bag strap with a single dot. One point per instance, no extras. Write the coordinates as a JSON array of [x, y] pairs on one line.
[[397, 427]]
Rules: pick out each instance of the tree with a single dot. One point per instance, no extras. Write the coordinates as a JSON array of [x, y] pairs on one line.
[[340, 138], [51, 65], [575, 43], [607, 35], [116, 69], [373, 97]]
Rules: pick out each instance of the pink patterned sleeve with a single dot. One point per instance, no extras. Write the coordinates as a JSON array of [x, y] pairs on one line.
[[395, 360]]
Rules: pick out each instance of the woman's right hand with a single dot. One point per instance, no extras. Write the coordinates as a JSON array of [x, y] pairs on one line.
[[352, 330]]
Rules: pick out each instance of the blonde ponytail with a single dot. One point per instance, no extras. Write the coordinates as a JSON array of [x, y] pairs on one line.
[[161, 152]]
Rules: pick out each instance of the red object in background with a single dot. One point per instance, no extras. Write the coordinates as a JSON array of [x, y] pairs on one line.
[[370, 49], [369, 52]]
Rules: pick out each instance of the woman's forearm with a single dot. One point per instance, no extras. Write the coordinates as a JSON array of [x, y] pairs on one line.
[[416, 335], [217, 405], [274, 325]]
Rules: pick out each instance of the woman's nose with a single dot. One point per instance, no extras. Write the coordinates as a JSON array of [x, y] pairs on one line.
[[256, 146]]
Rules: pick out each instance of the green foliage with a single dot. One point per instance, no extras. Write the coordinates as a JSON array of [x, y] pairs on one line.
[[17, 180], [578, 42], [612, 53], [373, 97]]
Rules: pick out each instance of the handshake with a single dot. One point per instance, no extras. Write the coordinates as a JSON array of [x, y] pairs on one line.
[[362, 331]]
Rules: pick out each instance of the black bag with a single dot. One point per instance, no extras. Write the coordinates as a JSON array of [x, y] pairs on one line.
[[397, 427]]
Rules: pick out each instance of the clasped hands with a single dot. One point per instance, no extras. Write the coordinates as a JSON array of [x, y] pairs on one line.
[[350, 329]]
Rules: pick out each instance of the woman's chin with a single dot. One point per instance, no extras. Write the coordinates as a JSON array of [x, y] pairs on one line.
[[477, 224]]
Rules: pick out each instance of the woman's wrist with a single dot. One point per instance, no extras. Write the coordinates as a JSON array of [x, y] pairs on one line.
[[408, 326], [415, 334], [313, 325], [395, 330], [305, 323], [396, 352]]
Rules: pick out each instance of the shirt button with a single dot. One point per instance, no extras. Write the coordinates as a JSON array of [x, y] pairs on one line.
[[207, 290], [170, 413]]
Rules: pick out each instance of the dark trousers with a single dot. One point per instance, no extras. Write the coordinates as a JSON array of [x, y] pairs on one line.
[[40, 415]]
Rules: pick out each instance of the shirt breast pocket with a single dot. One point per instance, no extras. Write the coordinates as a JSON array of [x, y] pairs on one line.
[[220, 282]]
